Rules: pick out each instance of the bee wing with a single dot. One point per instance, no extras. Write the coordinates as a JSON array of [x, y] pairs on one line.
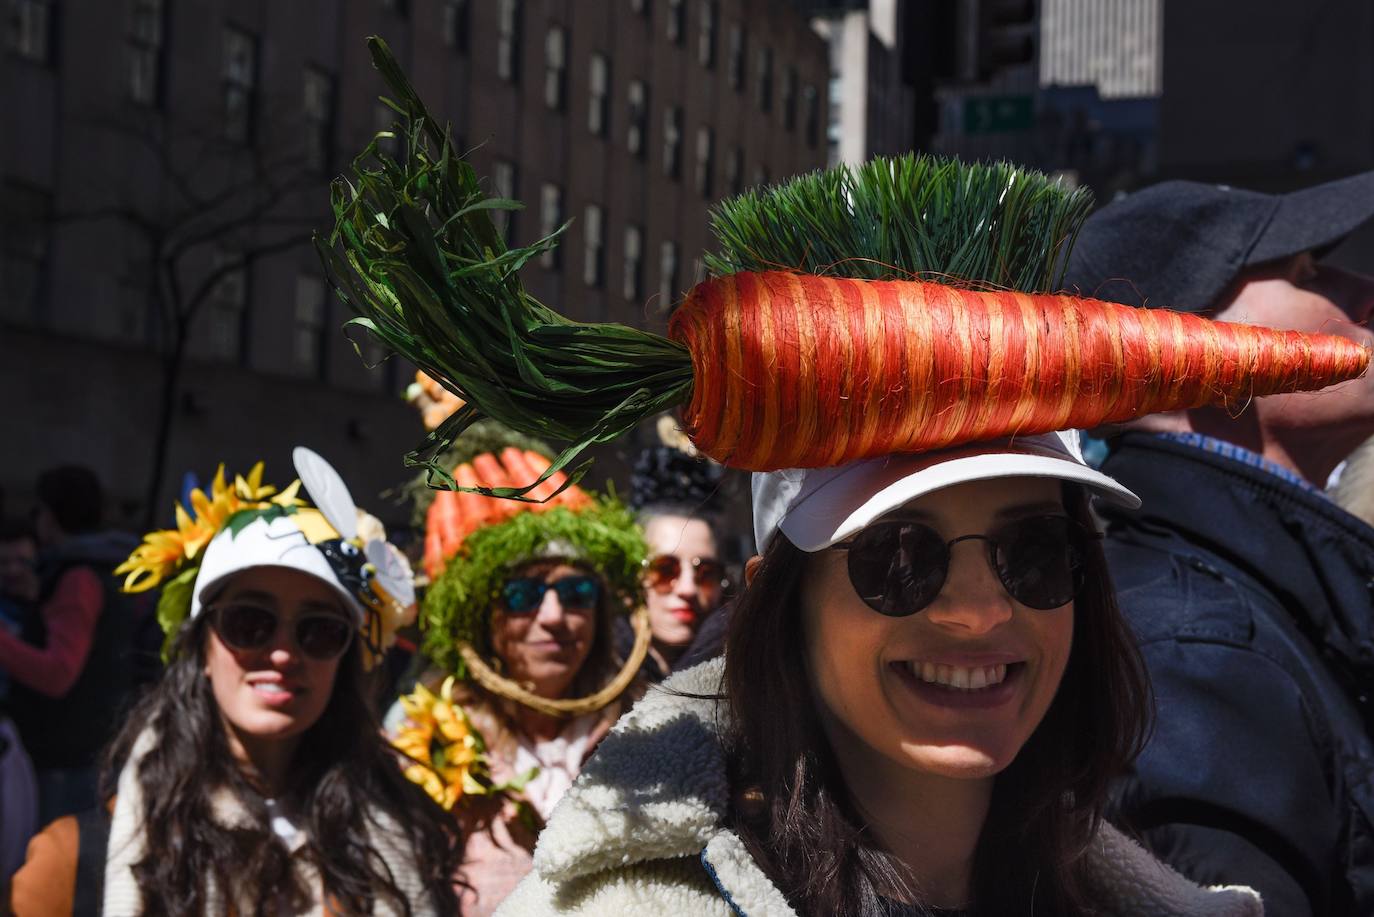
[[392, 574], [327, 490]]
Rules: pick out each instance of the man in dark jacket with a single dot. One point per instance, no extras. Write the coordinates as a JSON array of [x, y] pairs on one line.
[[1251, 593]]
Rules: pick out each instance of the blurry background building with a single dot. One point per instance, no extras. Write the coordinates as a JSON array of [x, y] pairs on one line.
[[163, 163]]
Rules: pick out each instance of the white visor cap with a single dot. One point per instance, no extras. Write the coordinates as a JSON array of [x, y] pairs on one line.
[[259, 544], [817, 507]]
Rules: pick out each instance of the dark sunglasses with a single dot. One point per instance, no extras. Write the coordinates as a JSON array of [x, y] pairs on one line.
[[524, 595], [898, 568], [665, 569], [247, 627]]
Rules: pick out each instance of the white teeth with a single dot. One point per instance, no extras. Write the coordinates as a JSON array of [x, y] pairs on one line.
[[959, 677], [268, 687]]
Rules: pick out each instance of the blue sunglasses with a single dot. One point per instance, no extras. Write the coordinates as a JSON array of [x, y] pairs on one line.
[[524, 595]]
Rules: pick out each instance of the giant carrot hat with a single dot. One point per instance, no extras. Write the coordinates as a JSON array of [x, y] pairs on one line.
[[247, 525], [896, 307]]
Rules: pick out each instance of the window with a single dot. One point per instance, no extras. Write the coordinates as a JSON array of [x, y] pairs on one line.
[[550, 218], [226, 307], [503, 183], [454, 24], [632, 284], [734, 171], [593, 263], [672, 22], [735, 65], [638, 122], [705, 160], [307, 338], [667, 274], [789, 99], [240, 83], [319, 119], [640, 6], [400, 8], [672, 141], [26, 214], [599, 105], [555, 67], [508, 41], [764, 86], [811, 106], [29, 29], [706, 37], [143, 53]]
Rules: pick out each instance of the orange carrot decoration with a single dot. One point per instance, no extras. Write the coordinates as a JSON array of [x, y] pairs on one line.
[[901, 305], [453, 516], [799, 371]]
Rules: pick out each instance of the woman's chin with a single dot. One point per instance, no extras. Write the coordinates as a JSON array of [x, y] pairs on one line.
[[956, 761]]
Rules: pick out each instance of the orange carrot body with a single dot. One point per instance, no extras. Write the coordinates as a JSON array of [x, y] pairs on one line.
[[795, 370]]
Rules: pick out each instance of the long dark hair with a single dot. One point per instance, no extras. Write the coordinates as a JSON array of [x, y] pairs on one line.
[[343, 773], [793, 811]]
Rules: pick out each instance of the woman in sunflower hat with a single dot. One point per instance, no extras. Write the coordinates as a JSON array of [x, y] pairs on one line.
[[254, 778], [519, 620]]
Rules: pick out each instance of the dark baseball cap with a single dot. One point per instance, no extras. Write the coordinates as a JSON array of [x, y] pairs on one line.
[[1179, 244]]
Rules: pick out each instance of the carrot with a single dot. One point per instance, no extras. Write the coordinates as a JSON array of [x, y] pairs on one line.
[[475, 508], [436, 521], [518, 469], [573, 497], [798, 370]]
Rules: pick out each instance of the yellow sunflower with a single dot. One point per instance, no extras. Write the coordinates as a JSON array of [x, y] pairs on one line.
[[449, 753], [164, 552]]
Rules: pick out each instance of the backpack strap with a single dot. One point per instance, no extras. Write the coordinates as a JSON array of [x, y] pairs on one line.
[[93, 826]]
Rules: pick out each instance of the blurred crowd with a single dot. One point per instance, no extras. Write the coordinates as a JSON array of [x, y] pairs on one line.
[[272, 722]]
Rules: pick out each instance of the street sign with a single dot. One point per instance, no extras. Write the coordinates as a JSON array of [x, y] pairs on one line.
[[998, 114]]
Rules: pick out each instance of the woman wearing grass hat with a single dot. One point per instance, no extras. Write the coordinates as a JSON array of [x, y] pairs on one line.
[[254, 778], [520, 622], [927, 685]]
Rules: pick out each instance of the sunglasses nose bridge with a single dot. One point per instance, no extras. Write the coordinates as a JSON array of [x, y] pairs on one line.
[[973, 597]]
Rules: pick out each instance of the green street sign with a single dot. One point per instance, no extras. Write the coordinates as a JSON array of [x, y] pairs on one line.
[[998, 114]]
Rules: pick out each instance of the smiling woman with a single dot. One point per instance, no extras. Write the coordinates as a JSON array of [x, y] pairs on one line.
[[254, 777]]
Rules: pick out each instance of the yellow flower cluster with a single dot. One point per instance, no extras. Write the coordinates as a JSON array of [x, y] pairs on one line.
[[449, 753], [164, 552]]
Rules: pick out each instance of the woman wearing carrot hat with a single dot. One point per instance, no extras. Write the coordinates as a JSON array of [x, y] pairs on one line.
[[519, 621], [254, 778], [927, 685]]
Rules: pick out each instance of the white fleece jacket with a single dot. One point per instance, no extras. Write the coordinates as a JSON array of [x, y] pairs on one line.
[[643, 831]]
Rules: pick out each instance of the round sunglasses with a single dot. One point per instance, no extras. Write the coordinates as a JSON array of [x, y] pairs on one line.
[[663, 571], [247, 627], [898, 568], [523, 595]]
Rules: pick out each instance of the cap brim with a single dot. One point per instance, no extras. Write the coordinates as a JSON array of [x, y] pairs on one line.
[[871, 491], [1315, 218], [206, 592]]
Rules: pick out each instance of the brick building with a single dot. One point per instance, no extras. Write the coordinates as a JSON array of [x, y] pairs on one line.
[[629, 116]]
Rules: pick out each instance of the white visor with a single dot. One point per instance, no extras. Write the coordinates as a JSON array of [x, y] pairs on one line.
[[817, 507]]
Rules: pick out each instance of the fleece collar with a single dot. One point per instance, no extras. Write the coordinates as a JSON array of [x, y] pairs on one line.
[[656, 789]]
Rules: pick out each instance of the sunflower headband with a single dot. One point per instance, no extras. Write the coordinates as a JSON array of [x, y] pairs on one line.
[[250, 524]]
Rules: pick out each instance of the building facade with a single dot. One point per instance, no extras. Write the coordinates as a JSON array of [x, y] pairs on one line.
[[161, 158]]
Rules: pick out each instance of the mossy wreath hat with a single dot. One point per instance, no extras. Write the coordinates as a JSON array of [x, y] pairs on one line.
[[474, 541], [249, 525]]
